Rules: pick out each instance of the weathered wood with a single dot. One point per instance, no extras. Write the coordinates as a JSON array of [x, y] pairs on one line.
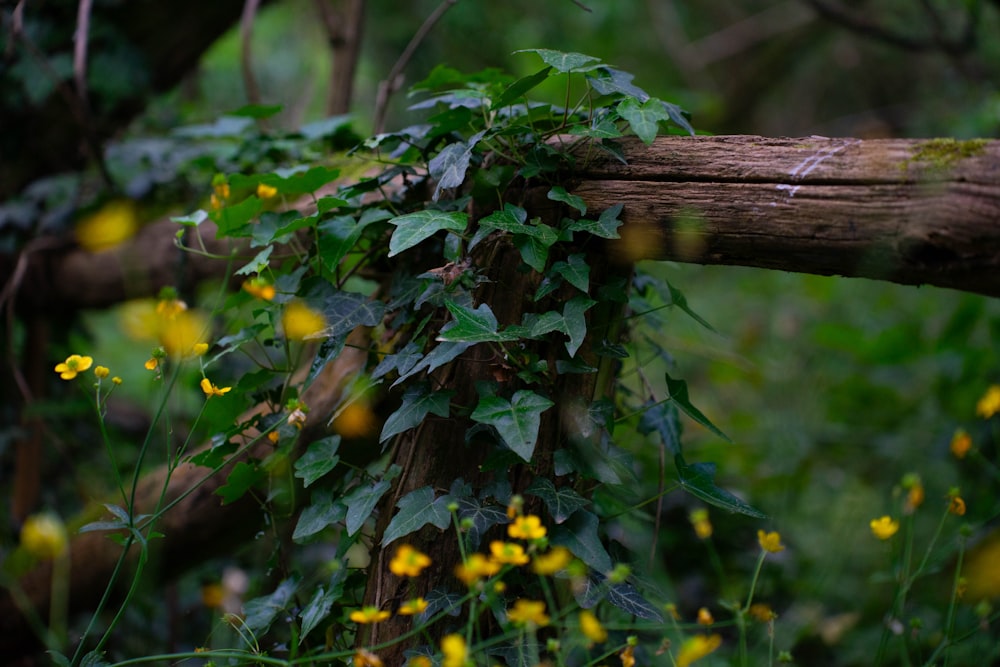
[[908, 211]]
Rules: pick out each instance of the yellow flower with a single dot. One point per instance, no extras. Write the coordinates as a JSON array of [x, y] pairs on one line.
[[515, 506], [705, 617], [220, 188], [73, 365], [367, 615], [116, 380], [957, 506], [420, 661], [914, 493], [102, 372], [770, 542], [265, 191], [213, 595], [456, 653], [212, 390], [114, 223], [549, 563], [44, 536], [961, 443], [885, 527], [199, 349], [476, 567], [989, 404], [528, 612], [508, 553], [356, 420], [151, 364], [301, 322], [527, 527], [700, 522], [259, 287], [696, 648], [408, 562], [181, 331], [592, 628], [627, 656], [413, 607], [365, 658], [762, 612]]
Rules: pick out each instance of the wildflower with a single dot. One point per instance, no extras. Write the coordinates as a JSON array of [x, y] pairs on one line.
[[549, 563], [367, 615], [220, 192], [116, 380], [592, 628], [508, 553], [419, 661], [265, 191], [211, 389], [114, 223], [627, 656], [301, 322], [914, 493], [528, 612], [102, 372], [44, 536], [705, 617], [151, 364], [456, 653], [355, 420], [274, 437], [365, 658], [885, 527], [700, 522], [696, 648], [73, 365], [762, 612], [260, 288], [528, 527], [413, 607], [199, 349], [989, 404], [476, 567], [213, 595], [961, 443], [957, 506], [297, 417], [515, 506], [770, 542], [408, 562], [180, 332]]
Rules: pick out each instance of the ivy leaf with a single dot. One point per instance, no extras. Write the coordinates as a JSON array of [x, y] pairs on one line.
[[481, 518], [328, 350], [417, 509], [608, 81], [606, 226], [323, 511], [319, 459], [517, 421], [413, 228], [562, 502], [534, 253], [575, 270], [661, 417], [576, 322], [678, 299], [361, 502], [418, 401], [436, 358], [260, 612], [241, 479], [558, 193], [348, 310], [679, 395], [477, 325], [625, 596], [339, 235], [580, 535], [516, 90], [564, 62], [317, 609], [443, 600], [449, 166], [257, 264], [698, 479], [678, 117], [643, 118]]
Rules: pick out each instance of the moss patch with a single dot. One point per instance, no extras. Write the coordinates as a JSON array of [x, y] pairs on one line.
[[943, 153]]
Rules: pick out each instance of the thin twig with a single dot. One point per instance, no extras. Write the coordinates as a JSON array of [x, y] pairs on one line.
[[392, 82], [246, 54]]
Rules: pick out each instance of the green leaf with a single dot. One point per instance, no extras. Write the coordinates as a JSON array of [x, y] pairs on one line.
[[534, 252], [260, 612], [361, 502], [625, 596], [258, 111], [413, 228], [661, 417], [516, 90], [564, 62], [580, 535], [606, 226], [608, 81], [346, 311], [303, 182], [417, 509], [679, 395], [576, 322], [191, 220], [436, 358], [698, 479], [558, 193], [678, 299], [418, 401], [258, 263], [517, 421], [316, 610], [233, 220], [480, 518], [449, 166], [319, 459], [472, 326], [339, 235], [242, 478], [562, 502], [575, 270], [643, 118], [323, 511]]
